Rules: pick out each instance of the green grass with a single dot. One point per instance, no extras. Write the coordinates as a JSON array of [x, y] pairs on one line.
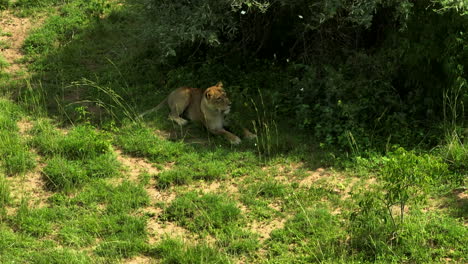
[[3, 62], [176, 251], [140, 141], [15, 157], [64, 175], [317, 233], [208, 212]]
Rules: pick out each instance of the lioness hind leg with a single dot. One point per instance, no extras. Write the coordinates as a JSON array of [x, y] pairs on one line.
[[248, 134], [233, 139], [178, 101]]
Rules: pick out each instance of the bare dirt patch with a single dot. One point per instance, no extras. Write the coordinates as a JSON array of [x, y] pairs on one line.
[[313, 177], [14, 31], [157, 229], [24, 126], [140, 260], [264, 229], [30, 187], [135, 166]]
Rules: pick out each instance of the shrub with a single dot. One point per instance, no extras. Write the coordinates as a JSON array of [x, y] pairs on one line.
[[409, 177]]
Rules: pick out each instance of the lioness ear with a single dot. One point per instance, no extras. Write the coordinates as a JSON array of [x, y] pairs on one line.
[[219, 84], [208, 95]]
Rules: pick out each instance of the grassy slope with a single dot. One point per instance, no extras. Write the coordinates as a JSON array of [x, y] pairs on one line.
[[124, 193]]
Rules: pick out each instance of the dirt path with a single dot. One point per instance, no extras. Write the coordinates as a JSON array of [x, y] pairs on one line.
[[13, 32]]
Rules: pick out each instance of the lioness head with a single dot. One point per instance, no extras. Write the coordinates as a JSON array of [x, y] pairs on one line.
[[217, 98]]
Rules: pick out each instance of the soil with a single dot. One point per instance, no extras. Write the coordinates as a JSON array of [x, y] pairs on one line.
[[13, 32]]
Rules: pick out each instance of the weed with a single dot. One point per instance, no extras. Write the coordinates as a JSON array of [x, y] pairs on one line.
[[192, 167], [46, 138], [312, 235], [267, 189], [60, 256], [127, 197], [175, 251], [138, 140], [3, 63], [4, 45], [178, 176], [84, 142], [207, 212], [103, 166], [64, 175], [408, 176], [235, 241], [455, 153], [4, 4], [35, 222], [15, 157], [4, 193], [124, 236]]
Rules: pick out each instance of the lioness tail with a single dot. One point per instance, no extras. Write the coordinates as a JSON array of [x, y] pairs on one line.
[[154, 109]]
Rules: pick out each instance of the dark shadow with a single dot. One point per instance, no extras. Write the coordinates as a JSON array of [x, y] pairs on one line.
[[457, 203], [104, 70]]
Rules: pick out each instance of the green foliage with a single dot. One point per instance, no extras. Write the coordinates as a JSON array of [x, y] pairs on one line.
[[420, 238], [207, 212], [407, 176], [4, 4], [175, 251]]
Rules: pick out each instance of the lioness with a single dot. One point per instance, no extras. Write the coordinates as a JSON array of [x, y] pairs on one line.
[[209, 107]]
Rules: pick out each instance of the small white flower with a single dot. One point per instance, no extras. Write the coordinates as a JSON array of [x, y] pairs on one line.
[[301, 17], [287, 60], [243, 12], [302, 89]]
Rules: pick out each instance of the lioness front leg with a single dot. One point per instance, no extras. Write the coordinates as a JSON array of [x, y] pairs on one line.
[[233, 139], [178, 101]]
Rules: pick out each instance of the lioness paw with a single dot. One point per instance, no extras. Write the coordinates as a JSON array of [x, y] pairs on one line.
[[235, 141], [248, 134]]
